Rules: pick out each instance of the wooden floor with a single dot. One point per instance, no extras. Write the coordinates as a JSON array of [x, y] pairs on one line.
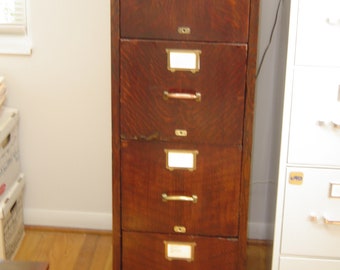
[[83, 250], [259, 255], [67, 250]]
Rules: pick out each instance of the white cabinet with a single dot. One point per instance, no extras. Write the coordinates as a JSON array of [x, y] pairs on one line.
[[307, 225], [311, 215], [291, 263], [318, 33], [315, 117]]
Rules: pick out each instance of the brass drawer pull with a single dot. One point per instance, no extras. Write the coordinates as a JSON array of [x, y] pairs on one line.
[[323, 219], [166, 198], [330, 124], [331, 222], [182, 94]]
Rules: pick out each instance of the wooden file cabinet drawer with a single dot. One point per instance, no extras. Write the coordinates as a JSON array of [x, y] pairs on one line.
[[149, 199], [161, 251], [201, 106], [221, 20]]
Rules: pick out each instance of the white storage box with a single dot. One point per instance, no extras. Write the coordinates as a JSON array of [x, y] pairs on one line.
[[11, 219], [9, 148]]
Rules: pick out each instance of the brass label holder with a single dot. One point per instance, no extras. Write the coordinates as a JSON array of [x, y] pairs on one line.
[[180, 251], [183, 60], [181, 159]]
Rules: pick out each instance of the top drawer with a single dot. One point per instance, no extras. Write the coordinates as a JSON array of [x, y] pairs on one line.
[[217, 20], [318, 37]]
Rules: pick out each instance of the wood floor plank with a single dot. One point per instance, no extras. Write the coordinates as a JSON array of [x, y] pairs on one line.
[[86, 254], [65, 251], [35, 246], [103, 254], [28, 246], [259, 256]]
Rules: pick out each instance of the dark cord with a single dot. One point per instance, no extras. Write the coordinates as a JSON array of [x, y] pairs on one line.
[[270, 39]]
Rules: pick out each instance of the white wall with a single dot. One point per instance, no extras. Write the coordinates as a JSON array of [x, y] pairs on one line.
[[267, 125], [63, 94]]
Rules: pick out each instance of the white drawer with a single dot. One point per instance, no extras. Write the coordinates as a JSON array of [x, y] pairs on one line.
[[308, 207], [318, 37], [288, 263], [315, 117]]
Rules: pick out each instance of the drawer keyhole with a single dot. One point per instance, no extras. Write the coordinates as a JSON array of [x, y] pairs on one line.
[[184, 30]]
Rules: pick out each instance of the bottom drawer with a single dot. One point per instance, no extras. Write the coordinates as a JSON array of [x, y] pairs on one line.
[[311, 220], [287, 263], [173, 252]]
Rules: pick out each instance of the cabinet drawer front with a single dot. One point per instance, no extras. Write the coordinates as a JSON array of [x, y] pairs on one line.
[[158, 199], [147, 251], [318, 37], [224, 20], [315, 117], [287, 263], [311, 222], [220, 82]]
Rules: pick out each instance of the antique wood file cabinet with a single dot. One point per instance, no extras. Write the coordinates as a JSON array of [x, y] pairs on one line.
[[183, 75]]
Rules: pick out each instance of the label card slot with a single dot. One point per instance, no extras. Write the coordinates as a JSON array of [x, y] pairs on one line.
[[334, 190], [181, 159], [183, 60], [179, 251]]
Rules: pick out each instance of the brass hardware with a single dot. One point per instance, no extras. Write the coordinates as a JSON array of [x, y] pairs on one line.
[[184, 30], [325, 220], [313, 217], [331, 124], [182, 198], [181, 159], [181, 133], [180, 229], [183, 60], [182, 94], [331, 222], [335, 125], [180, 251]]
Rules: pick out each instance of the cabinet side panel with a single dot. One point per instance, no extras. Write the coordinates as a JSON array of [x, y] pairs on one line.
[[115, 32], [248, 128]]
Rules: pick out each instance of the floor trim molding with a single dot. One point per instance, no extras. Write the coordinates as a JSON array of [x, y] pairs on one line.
[[68, 219]]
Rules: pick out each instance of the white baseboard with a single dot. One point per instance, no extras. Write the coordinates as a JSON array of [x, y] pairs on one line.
[[260, 231], [68, 219]]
